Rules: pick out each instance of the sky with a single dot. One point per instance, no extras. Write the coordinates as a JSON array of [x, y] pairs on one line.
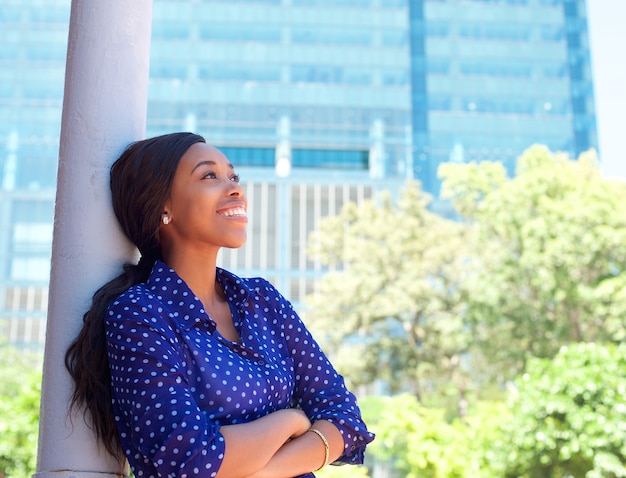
[[607, 36]]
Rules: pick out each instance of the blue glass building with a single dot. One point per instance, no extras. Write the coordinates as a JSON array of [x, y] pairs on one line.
[[491, 77], [395, 87], [317, 102]]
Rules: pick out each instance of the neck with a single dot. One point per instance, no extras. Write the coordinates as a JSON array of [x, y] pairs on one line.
[[198, 271]]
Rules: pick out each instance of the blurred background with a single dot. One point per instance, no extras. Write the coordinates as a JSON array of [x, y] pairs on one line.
[[434, 184]]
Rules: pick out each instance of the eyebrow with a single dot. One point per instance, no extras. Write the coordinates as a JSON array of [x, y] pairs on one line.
[[209, 162]]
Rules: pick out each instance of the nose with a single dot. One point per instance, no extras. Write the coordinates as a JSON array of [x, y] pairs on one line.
[[235, 189]]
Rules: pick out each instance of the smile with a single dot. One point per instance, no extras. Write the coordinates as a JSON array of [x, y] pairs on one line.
[[234, 212]]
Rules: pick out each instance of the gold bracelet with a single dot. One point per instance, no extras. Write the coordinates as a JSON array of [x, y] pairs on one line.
[[326, 447]]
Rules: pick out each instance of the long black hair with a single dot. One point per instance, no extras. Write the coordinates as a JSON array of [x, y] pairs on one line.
[[140, 184]]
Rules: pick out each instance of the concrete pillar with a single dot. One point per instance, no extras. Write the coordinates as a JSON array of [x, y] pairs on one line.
[[104, 108]]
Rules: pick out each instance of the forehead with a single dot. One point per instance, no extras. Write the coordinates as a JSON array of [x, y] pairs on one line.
[[202, 153]]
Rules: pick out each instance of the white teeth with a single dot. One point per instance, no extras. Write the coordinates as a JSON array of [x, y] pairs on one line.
[[238, 211]]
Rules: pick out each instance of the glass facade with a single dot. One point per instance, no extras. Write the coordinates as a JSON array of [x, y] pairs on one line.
[[317, 102], [33, 43], [416, 83], [327, 79], [500, 76]]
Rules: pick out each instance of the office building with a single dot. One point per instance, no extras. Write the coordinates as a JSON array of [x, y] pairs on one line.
[[33, 43], [317, 102]]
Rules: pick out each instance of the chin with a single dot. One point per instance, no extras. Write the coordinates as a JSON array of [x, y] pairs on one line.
[[235, 244]]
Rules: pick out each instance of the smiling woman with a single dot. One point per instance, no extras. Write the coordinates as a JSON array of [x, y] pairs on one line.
[[187, 369]]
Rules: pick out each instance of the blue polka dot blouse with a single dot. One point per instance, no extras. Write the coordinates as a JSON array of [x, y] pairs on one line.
[[176, 380]]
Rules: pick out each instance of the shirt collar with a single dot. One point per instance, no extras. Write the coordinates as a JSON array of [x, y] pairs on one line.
[[176, 295]]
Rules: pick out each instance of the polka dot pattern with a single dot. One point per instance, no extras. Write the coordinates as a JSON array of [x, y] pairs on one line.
[[176, 380]]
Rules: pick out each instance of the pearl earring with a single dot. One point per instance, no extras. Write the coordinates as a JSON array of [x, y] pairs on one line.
[[166, 219]]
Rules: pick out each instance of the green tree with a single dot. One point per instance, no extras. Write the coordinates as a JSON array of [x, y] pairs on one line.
[[390, 306], [20, 391], [549, 262], [568, 417]]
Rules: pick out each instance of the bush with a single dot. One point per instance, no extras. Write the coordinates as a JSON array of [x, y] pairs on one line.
[[565, 418], [417, 441], [569, 415], [20, 391]]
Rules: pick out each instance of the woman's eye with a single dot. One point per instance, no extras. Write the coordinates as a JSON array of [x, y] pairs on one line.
[[210, 175], [235, 178]]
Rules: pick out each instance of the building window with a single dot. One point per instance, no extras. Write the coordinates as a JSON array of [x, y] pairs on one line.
[[395, 77], [496, 68], [496, 31], [438, 66], [332, 36], [168, 71], [552, 33], [240, 73], [315, 74], [436, 28], [330, 159], [249, 156], [241, 32], [395, 38], [170, 31], [336, 3]]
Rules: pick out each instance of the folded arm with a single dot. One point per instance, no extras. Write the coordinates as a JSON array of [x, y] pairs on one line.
[[250, 447], [304, 454]]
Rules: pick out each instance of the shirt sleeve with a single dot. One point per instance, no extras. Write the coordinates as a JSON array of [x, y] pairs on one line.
[[162, 429], [319, 389]]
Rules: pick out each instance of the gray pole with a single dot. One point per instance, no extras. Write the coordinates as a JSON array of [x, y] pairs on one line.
[[104, 108]]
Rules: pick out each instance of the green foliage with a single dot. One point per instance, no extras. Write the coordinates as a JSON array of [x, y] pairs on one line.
[[418, 442], [568, 418], [343, 472], [394, 277], [549, 262], [20, 390]]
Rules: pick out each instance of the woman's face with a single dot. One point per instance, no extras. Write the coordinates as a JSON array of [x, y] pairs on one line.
[[207, 206]]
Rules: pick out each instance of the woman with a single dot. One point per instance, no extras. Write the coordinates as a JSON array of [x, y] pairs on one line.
[[186, 368]]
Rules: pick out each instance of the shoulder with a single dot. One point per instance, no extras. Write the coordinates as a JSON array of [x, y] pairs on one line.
[[248, 288], [259, 298], [138, 303], [137, 295], [262, 288]]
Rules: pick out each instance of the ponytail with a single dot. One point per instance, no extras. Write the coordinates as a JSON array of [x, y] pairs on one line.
[[87, 362]]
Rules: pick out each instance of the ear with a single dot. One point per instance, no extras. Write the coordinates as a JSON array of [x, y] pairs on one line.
[[167, 207], [165, 214]]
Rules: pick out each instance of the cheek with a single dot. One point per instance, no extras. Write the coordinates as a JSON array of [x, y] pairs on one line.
[[193, 202], [200, 218]]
